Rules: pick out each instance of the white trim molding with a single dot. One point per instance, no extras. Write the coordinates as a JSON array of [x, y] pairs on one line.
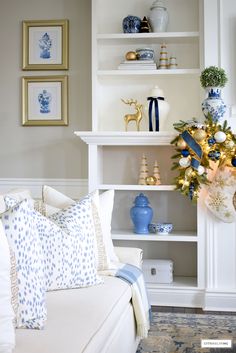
[[74, 188], [192, 298], [220, 300]]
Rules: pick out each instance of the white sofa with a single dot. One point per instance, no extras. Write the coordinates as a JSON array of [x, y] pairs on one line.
[[90, 318], [97, 319]]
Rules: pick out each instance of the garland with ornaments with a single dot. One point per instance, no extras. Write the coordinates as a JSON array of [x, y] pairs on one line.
[[197, 145]]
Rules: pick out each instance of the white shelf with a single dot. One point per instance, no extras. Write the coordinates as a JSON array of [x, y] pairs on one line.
[[179, 236], [167, 37], [148, 35], [137, 187], [115, 138], [108, 73], [179, 282]]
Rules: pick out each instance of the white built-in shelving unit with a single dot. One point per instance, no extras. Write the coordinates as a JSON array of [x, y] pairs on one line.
[[114, 155], [202, 248]]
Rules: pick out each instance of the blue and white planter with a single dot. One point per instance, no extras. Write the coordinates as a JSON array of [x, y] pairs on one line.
[[214, 104]]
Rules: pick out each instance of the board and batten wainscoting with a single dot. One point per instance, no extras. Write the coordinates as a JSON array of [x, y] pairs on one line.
[[74, 188]]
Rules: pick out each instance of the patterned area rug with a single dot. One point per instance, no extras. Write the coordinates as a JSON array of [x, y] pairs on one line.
[[182, 333]]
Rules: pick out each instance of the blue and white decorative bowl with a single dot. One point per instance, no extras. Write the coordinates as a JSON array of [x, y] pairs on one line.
[[131, 24], [160, 228], [164, 228], [145, 54]]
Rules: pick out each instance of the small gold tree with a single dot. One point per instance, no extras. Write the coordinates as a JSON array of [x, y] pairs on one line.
[[156, 173], [143, 174]]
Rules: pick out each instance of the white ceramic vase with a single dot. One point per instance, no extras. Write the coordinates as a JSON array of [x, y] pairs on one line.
[[158, 17]]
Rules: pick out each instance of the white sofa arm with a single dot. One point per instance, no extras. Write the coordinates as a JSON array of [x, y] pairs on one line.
[[131, 256]]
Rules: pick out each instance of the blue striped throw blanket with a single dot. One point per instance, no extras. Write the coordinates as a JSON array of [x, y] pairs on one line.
[[142, 309]]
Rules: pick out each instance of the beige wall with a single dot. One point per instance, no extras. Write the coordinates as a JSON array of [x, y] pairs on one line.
[[44, 152]]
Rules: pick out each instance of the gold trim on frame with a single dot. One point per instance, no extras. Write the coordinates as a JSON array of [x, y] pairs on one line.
[[63, 121], [65, 44]]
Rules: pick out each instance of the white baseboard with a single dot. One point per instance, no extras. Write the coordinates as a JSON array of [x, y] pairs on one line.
[[174, 297], [220, 300], [74, 188]]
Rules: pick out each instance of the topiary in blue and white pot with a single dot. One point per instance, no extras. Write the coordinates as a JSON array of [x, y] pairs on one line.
[[214, 104], [213, 79]]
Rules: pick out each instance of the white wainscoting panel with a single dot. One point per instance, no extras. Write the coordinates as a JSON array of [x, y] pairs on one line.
[[74, 188]]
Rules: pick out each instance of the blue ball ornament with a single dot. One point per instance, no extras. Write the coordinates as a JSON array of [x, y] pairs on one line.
[[233, 161], [217, 155], [211, 141], [185, 153], [211, 155], [214, 155], [191, 190]]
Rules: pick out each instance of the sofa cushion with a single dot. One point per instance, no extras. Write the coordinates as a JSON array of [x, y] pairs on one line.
[[68, 239], [68, 244], [17, 195], [82, 318], [104, 204]]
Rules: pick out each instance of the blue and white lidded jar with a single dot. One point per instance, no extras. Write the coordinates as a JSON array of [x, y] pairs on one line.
[[141, 214], [131, 24]]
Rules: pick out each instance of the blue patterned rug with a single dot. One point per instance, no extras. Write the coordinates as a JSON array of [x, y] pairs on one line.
[[182, 333]]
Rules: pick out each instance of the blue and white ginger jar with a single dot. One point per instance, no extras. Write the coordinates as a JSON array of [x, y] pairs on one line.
[[131, 24], [141, 214], [214, 104]]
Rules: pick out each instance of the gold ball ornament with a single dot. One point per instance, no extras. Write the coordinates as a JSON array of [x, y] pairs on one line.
[[230, 145], [199, 135], [181, 143], [131, 55], [188, 172], [151, 180]]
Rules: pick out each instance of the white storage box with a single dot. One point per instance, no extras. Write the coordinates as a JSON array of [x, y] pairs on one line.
[[158, 271]]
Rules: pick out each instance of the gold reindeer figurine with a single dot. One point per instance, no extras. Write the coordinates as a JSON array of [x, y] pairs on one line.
[[137, 116]]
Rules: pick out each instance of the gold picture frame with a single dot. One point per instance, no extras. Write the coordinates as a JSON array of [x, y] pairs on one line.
[[45, 45], [45, 100]]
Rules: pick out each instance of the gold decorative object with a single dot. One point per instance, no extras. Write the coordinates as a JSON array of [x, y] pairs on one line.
[[181, 143], [143, 173], [199, 135], [133, 117], [188, 172], [131, 55], [145, 26], [151, 180]]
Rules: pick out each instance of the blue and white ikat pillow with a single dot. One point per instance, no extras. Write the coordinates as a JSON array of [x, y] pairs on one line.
[[69, 246], [23, 237]]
